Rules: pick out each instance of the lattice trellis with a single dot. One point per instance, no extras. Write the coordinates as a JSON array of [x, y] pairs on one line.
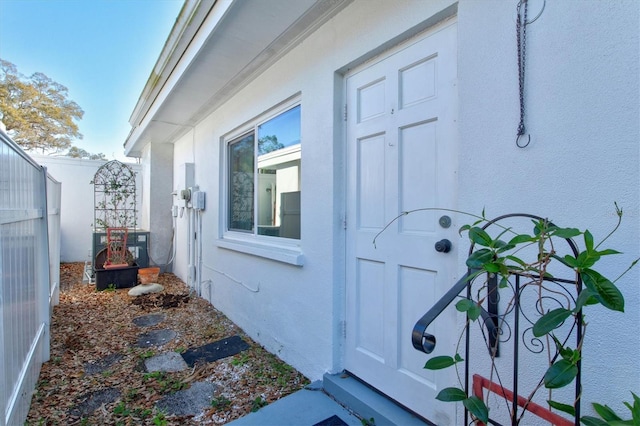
[[114, 197]]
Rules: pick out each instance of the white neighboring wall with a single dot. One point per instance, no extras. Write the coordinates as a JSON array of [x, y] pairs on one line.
[[76, 216]]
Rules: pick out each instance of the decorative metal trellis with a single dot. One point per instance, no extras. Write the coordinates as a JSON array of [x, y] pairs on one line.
[[507, 374], [114, 197]]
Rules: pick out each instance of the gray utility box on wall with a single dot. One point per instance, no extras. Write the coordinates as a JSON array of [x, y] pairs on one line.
[[137, 243]]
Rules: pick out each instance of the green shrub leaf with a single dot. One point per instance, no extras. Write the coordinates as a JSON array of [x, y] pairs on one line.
[[463, 228], [474, 312], [505, 247], [499, 244], [605, 412], [585, 298], [477, 407], [478, 258], [608, 252], [538, 226], [570, 261], [560, 374], [605, 291], [592, 421], [480, 237], [492, 267], [470, 307], [504, 282], [451, 395], [566, 352], [550, 321], [464, 305], [565, 408], [635, 409], [636, 402], [588, 240], [565, 232], [521, 238], [587, 259], [439, 362]]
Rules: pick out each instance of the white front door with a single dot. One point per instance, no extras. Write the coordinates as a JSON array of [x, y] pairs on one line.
[[401, 136]]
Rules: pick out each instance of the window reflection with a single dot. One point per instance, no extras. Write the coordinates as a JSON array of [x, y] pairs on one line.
[[264, 180], [241, 178], [278, 184]]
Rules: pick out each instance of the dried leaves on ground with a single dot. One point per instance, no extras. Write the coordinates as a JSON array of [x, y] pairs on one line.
[[94, 353]]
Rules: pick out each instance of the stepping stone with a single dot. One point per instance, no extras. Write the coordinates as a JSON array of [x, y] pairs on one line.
[[215, 351], [149, 320], [102, 364], [155, 338], [188, 402], [168, 361], [139, 290], [89, 402]]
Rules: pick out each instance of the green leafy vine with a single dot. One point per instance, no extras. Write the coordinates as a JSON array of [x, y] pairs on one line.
[[503, 257]]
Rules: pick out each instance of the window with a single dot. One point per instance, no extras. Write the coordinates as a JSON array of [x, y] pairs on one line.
[[264, 178]]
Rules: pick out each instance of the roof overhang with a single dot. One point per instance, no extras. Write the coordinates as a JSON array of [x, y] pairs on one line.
[[214, 49]]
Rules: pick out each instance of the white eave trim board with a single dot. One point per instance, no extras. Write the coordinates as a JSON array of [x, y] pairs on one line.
[[201, 36]]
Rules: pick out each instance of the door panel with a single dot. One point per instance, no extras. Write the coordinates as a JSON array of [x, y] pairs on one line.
[[418, 172], [401, 153], [369, 336], [371, 182], [414, 281]]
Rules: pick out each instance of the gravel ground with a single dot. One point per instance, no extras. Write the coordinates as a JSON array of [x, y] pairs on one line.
[[96, 372]]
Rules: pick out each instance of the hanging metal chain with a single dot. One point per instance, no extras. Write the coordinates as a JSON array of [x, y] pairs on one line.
[[521, 39]]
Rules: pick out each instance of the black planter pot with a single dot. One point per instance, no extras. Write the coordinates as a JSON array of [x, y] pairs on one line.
[[117, 277]]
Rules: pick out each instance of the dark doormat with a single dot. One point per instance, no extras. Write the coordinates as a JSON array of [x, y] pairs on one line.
[[215, 351], [331, 421]]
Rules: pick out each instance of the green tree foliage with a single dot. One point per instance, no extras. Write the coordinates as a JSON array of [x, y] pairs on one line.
[[36, 111], [268, 144], [75, 152]]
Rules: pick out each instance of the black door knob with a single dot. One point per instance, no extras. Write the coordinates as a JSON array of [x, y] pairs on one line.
[[443, 246]]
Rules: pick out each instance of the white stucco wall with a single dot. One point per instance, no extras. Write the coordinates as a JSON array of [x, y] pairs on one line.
[[296, 312], [582, 114], [76, 216]]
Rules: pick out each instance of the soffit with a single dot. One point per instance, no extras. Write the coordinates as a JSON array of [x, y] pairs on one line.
[[248, 36]]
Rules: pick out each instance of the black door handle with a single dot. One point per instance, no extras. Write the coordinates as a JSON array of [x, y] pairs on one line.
[[443, 246]]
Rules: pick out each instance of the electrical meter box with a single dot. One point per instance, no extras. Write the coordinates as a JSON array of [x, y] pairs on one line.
[[137, 244]]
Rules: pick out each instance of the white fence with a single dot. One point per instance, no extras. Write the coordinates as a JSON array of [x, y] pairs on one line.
[[29, 275]]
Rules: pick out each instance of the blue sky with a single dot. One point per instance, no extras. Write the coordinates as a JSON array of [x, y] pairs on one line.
[[103, 51]]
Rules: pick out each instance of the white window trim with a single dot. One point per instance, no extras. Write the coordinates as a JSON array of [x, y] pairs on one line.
[[261, 248], [275, 248]]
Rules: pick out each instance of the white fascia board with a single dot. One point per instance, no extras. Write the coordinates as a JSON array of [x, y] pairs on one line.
[[169, 52], [140, 119]]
